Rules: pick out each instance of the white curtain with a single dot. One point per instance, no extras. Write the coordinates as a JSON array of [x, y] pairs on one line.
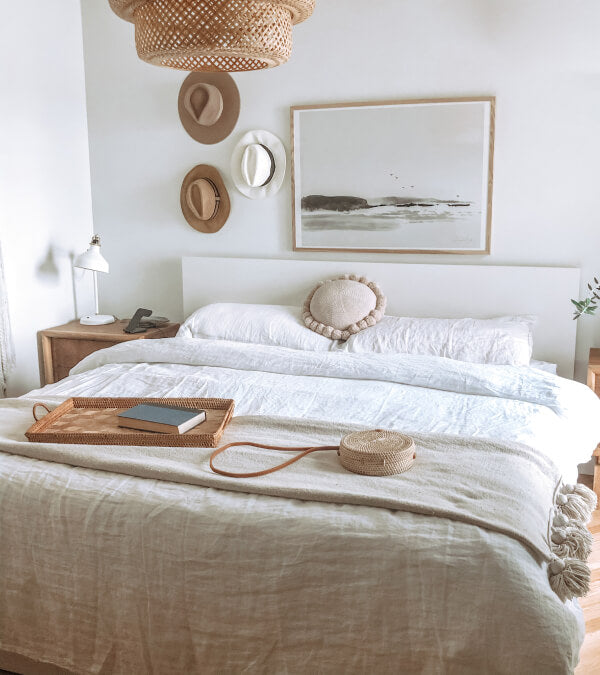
[[7, 353]]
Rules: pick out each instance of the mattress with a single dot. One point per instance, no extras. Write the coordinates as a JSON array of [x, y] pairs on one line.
[[116, 573]]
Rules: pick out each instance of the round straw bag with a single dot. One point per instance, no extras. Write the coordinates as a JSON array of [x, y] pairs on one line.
[[377, 453], [371, 453]]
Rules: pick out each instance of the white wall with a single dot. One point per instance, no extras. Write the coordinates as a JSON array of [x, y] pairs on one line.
[[540, 59], [45, 201]]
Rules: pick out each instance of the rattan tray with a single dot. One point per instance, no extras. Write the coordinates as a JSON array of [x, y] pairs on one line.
[[93, 421]]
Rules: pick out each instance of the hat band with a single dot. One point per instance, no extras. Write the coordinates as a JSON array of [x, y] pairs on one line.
[[272, 165], [192, 206]]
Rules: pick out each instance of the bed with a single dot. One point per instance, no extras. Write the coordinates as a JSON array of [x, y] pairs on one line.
[[106, 567]]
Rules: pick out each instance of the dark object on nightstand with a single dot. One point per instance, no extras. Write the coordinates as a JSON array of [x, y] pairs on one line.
[[134, 325], [64, 346]]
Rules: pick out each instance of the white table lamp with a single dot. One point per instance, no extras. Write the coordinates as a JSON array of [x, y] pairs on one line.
[[93, 260]]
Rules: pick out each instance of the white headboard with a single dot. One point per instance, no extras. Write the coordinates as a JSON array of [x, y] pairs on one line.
[[451, 291]]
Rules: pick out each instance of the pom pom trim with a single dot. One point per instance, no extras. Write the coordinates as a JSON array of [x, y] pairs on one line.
[[375, 315]]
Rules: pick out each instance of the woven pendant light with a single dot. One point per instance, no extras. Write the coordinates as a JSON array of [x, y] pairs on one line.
[[214, 35]]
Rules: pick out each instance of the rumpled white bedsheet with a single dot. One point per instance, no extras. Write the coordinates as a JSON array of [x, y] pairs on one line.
[[399, 391], [110, 573]]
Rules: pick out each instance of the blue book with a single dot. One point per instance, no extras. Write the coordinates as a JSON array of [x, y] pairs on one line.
[[164, 419]]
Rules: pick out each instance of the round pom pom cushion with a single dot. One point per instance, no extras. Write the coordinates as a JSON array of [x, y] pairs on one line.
[[338, 308]]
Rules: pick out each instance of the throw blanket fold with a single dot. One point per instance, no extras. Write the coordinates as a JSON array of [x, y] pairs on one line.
[[506, 487]]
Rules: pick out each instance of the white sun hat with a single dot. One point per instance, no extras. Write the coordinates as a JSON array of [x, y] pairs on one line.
[[258, 164]]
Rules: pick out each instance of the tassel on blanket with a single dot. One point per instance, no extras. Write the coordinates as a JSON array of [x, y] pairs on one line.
[[582, 491], [574, 505], [560, 520], [569, 578], [572, 542]]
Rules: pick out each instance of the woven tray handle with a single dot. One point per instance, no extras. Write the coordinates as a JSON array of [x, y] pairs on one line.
[[34, 410]]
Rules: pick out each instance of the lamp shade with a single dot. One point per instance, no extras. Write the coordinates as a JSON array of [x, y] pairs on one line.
[[214, 35], [92, 259]]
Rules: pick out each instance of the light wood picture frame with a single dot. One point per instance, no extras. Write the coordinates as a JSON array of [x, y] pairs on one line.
[[407, 176]]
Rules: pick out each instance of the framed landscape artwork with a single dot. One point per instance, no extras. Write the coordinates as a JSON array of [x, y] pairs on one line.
[[393, 176]]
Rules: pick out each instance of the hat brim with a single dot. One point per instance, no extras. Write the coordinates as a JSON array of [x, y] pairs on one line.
[[231, 107], [215, 223], [276, 149]]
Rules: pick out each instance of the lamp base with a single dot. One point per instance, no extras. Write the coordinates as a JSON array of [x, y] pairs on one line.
[[97, 319]]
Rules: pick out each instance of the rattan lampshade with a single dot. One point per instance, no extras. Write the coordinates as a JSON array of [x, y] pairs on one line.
[[214, 35]]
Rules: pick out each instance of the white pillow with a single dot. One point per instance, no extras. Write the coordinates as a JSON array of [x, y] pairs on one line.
[[543, 365], [504, 340], [277, 325]]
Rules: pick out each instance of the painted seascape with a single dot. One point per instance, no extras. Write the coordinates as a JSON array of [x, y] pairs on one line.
[[388, 222], [405, 176]]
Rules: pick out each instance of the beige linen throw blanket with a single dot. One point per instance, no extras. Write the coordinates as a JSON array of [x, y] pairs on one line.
[[509, 488]]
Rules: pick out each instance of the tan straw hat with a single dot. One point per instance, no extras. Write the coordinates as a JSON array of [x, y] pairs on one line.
[[209, 106], [204, 199]]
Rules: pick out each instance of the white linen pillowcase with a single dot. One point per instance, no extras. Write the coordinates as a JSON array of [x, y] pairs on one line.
[[276, 325], [505, 340], [544, 366]]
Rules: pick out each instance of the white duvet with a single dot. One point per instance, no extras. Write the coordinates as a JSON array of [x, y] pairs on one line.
[[399, 391], [250, 583]]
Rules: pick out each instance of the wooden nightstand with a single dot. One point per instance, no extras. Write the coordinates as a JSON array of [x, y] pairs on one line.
[[64, 346], [593, 381]]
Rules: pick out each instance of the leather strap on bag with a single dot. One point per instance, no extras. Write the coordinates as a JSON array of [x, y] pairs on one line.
[[371, 452], [306, 450]]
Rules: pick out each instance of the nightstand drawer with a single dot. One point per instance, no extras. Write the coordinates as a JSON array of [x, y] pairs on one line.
[[67, 353], [62, 347], [593, 376], [594, 381]]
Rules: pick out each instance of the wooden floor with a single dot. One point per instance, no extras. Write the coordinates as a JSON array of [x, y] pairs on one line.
[[589, 663]]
